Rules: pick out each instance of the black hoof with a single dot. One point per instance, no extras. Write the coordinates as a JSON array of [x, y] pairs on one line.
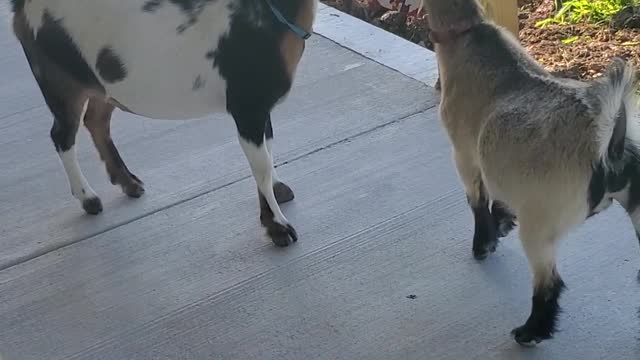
[[480, 254], [282, 235], [528, 337], [504, 228], [92, 206], [134, 189], [131, 185], [283, 192], [483, 252]]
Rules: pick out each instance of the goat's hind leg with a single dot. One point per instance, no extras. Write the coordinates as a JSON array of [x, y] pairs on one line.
[[629, 198], [97, 119], [634, 214], [67, 101], [539, 235], [67, 113]]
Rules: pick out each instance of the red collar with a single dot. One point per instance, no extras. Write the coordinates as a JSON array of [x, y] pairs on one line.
[[454, 31]]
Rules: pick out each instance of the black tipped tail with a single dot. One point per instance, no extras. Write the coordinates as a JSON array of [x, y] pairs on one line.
[[616, 94]]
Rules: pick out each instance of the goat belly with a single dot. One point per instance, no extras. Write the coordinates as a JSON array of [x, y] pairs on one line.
[[154, 57]]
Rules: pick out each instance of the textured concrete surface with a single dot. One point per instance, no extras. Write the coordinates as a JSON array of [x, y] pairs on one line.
[[383, 268]]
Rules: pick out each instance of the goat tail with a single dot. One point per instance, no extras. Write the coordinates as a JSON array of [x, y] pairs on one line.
[[619, 124]]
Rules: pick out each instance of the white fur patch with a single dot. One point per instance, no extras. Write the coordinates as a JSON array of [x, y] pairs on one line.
[[262, 168], [161, 64], [611, 101], [80, 188]]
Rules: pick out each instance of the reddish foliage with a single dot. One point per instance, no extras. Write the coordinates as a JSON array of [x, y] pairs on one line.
[[583, 58]]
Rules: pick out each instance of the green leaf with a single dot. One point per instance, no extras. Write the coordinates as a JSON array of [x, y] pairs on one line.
[[570, 40]]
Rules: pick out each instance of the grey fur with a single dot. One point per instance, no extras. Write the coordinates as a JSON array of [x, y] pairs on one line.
[[532, 140]]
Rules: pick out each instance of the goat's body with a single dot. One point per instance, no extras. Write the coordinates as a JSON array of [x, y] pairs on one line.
[[520, 125], [552, 151], [164, 59], [165, 74]]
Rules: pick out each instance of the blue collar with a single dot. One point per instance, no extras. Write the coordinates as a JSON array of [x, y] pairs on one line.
[[300, 32]]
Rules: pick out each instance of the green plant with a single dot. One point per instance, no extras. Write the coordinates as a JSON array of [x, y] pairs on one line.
[[592, 11]]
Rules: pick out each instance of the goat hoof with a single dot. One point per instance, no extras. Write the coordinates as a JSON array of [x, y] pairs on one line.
[[92, 206], [480, 254], [529, 337], [505, 227], [133, 190], [282, 235], [282, 192], [483, 253]]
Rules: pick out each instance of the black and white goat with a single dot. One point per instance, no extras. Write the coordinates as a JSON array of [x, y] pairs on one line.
[[170, 59], [550, 151]]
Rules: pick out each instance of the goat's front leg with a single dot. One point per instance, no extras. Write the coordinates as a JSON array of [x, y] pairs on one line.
[[485, 237], [251, 135], [282, 191], [539, 235]]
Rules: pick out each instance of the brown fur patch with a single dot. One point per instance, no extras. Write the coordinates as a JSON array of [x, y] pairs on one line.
[[292, 46]]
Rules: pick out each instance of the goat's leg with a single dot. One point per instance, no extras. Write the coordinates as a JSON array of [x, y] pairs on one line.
[[281, 190], [251, 135], [504, 218], [485, 237], [634, 215], [631, 203], [63, 134], [67, 109], [629, 198], [539, 240], [67, 102], [97, 119]]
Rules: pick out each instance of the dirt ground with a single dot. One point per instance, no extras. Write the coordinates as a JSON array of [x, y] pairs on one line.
[[579, 51]]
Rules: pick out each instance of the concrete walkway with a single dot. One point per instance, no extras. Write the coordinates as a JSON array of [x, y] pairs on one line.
[[383, 268]]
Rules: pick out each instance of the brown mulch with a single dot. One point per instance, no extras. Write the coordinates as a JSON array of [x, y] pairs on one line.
[[584, 58]]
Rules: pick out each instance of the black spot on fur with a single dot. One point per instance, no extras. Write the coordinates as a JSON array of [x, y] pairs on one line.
[[198, 83], [56, 44], [109, 66], [249, 59], [151, 5], [623, 169], [186, 6], [597, 188], [545, 309], [190, 8]]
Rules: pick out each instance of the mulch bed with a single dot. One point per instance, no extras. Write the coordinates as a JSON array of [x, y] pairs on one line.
[[584, 58]]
